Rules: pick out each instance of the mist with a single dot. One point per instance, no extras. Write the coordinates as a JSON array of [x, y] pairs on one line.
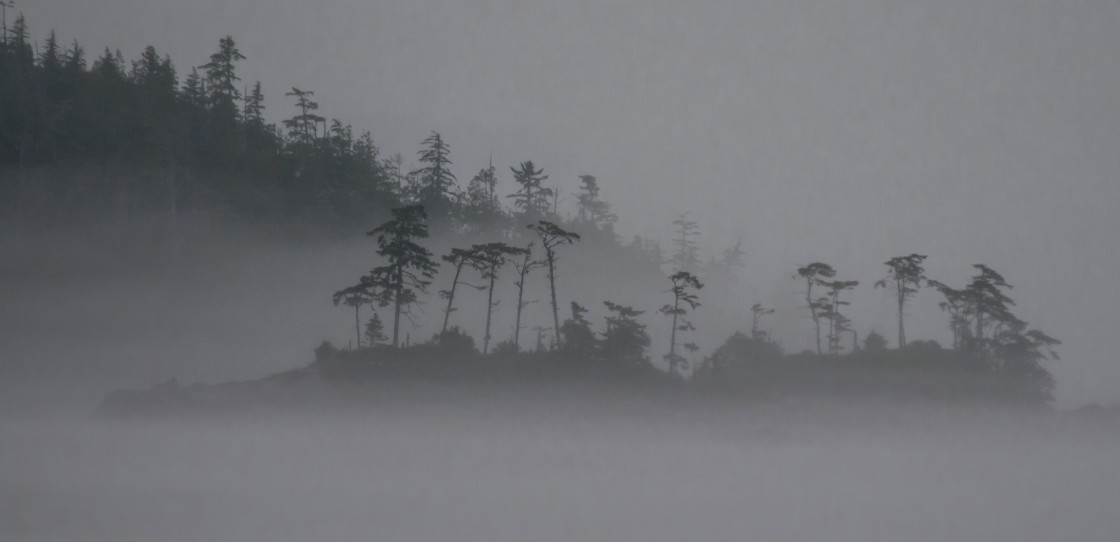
[[173, 366]]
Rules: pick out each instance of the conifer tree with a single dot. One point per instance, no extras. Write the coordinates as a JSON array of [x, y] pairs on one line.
[[905, 274], [813, 274], [551, 237], [684, 289]]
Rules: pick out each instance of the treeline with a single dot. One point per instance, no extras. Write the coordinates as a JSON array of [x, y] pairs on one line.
[[994, 355]]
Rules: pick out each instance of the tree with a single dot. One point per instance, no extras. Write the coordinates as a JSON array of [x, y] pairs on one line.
[[593, 211], [437, 182], [579, 340], [355, 296], [685, 285], [458, 257], [956, 304], [221, 77], [304, 126], [375, 331], [552, 236], [813, 273], [687, 256], [489, 259], [483, 209], [757, 312], [410, 267], [837, 322], [523, 268], [254, 107], [532, 198], [874, 342], [625, 339], [905, 274]]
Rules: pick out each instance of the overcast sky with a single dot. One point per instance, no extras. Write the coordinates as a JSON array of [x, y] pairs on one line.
[[847, 132]]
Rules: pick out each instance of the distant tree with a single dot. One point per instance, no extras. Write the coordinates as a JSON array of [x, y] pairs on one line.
[[523, 267], [254, 107], [905, 274], [579, 340], [437, 183], [194, 89], [757, 312], [813, 274], [723, 270], [483, 210], [375, 331], [957, 306], [687, 255], [532, 197], [874, 342], [489, 259], [410, 267], [593, 211], [837, 322], [458, 257], [684, 289], [625, 339], [221, 78], [303, 128], [552, 236], [356, 296]]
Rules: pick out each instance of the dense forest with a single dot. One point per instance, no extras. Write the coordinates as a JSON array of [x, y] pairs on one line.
[[83, 140]]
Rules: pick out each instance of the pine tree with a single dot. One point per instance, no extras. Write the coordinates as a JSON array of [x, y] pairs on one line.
[[813, 274], [905, 275], [489, 259], [552, 236], [685, 285], [532, 198], [687, 256]]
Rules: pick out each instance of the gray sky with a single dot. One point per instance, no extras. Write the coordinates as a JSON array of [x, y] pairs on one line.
[[847, 132]]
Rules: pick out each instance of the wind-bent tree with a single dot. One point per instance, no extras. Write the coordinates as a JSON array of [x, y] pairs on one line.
[[813, 274], [684, 289], [989, 306], [957, 306], [437, 183], [355, 296], [552, 236], [837, 322], [625, 340], [523, 267], [410, 268], [905, 274], [458, 257], [687, 256], [757, 312], [489, 259], [532, 198]]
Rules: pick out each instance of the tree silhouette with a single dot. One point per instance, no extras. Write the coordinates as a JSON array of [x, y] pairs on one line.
[[686, 257], [356, 296], [523, 267], [375, 330], [410, 268], [304, 126], [757, 312], [591, 210], [625, 339], [489, 259], [685, 285], [905, 274], [552, 236], [837, 322], [458, 257], [437, 183], [579, 340], [532, 197], [813, 274]]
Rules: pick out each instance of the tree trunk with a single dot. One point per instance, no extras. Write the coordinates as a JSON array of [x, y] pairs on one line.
[[901, 305], [357, 327], [517, 320], [397, 305], [489, 310], [451, 296], [813, 311], [673, 339], [552, 286]]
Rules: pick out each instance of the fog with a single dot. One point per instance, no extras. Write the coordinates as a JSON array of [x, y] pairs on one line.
[[974, 132]]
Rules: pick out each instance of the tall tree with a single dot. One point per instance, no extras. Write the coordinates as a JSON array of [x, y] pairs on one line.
[[410, 268], [221, 77], [489, 259], [304, 126], [523, 267], [482, 207], [552, 236], [458, 257], [579, 340], [687, 255], [356, 296], [684, 289], [813, 274], [437, 189], [532, 198], [837, 322], [905, 274]]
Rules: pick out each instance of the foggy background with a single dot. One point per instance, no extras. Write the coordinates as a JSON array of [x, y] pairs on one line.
[[975, 132]]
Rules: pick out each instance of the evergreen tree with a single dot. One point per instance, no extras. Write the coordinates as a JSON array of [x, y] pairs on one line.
[[813, 274], [221, 78], [685, 285], [375, 331], [437, 183], [687, 256], [489, 259], [552, 236], [593, 211], [356, 296], [523, 267], [905, 274], [532, 198], [625, 339], [458, 257], [579, 340], [410, 267], [757, 312], [303, 128], [837, 322]]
